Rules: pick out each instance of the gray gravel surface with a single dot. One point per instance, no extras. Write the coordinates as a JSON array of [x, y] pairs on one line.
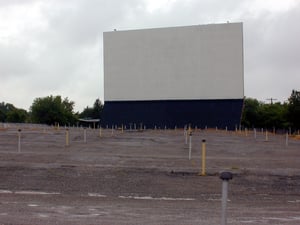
[[146, 177]]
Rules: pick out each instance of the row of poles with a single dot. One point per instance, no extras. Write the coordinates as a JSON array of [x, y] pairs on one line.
[[187, 134], [224, 176]]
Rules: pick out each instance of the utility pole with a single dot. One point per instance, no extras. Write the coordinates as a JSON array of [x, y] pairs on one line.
[[271, 99]]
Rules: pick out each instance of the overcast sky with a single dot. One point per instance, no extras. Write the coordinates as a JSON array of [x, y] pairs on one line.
[[54, 47]]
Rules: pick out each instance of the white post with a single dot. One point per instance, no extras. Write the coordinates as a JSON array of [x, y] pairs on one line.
[[190, 146], [185, 135], [84, 135], [19, 140], [224, 201], [225, 176]]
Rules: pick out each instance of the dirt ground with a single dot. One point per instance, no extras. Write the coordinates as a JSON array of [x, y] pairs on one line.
[[146, 177]]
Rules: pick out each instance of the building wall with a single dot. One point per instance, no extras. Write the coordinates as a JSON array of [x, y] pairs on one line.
[[174, 113], [156, 68]]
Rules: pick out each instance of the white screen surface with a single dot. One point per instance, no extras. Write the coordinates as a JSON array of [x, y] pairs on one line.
[[178, 63]]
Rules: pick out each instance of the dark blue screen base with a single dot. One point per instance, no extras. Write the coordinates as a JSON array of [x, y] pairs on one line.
[[171, 113]]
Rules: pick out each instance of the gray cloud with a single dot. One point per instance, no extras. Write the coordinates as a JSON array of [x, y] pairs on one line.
[[59, 49]]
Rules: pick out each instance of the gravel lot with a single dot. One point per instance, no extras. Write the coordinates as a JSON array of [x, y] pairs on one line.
[[146, 177]]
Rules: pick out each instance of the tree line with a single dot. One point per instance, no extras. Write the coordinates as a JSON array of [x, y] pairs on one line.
[[49, 110], [277, 115], [54, 109]]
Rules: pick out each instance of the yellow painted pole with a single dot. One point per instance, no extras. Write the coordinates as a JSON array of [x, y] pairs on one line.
[[67, 137], [203, 173]]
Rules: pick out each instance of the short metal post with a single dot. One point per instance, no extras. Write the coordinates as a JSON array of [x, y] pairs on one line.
[[287, 139], [67, 137], [19, 140], [254, 133], [185, 135], [84, 135], [267, 137], [190, 145], [100, 131], [225, 176], [203, 171]]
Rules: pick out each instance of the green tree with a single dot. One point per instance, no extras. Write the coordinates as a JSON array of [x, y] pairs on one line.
[[273, 115], [17, 116], [52, 109], [250, 117], [259, 114], [93, 112], [9, 113], [294, 109]]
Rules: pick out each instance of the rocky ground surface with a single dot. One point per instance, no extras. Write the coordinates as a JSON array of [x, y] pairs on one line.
[[146, 177]]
